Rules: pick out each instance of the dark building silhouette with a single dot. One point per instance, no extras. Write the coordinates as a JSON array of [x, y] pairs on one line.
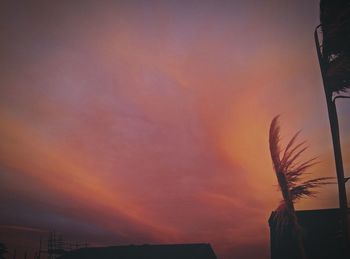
[[176, 251], [322, 236]]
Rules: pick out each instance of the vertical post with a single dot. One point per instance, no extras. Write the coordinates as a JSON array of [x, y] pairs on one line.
[[334, 125], [40, 247], [343, 203]]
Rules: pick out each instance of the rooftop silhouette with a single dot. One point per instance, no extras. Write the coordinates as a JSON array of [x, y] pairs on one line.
[[169, 251]]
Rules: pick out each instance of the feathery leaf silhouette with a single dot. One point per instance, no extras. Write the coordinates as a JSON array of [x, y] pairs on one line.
[[289, 174]]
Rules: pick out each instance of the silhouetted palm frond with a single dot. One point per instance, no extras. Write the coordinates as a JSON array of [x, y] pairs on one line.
[[289, 171]]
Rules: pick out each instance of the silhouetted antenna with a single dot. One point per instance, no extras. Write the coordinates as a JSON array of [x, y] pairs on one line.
[[40, 247]]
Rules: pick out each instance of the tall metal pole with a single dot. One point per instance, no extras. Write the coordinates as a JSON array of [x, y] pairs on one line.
[[334, 125], [40, 248]]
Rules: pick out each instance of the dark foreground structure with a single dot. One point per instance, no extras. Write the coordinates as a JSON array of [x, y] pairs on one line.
[[178, 251], [322, 236]]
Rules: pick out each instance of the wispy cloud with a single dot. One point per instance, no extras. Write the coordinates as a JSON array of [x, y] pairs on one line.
[[23, 228]]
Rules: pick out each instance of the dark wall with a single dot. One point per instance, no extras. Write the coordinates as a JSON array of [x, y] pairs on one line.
[[321, 233]]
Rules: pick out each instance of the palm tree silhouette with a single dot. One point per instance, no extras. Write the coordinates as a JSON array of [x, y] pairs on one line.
[[334, 58], [289, 171]]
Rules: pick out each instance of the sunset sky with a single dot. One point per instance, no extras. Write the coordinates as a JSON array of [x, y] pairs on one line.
[[133, 122]]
